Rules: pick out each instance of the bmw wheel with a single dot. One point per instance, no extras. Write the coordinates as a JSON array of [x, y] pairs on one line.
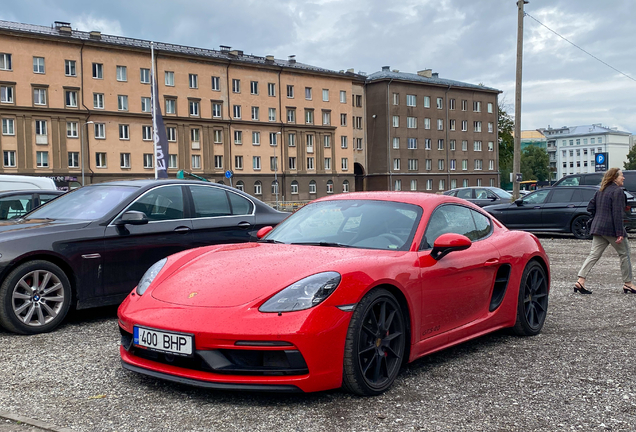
[[35, 298], [579, 227], [375, 343], [532, 303]]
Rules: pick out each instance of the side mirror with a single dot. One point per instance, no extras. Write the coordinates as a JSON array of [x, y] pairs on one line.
[[263, 232], [449, 242], [519, 202], [493, 198], [132, 217]]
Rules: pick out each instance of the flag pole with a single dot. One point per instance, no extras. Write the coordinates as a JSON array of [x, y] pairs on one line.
[[153, 101]]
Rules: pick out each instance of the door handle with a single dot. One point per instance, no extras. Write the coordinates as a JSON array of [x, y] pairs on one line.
[[536, 207], [491, 262], [244, 224], [570, 205], [182, 229]]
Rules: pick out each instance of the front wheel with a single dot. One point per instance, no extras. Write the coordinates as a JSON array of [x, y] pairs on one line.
[[374, 347], [34, 298], [579, 227], [532, 302]]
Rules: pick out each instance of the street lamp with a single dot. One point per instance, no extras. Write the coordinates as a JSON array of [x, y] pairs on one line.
[[82, 149], [276, 167]]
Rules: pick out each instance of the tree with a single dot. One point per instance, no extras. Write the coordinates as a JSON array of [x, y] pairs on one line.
[[631, 159], [505, 127], [535, 163]]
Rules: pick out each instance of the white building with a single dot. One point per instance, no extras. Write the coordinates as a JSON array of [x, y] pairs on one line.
[[576, 146]]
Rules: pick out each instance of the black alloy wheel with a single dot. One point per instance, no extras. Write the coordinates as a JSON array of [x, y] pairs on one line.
[[532, 304], [375, 343], [579, 227]]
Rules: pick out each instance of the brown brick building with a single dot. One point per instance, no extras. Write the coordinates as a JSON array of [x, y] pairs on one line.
[[429, 134]]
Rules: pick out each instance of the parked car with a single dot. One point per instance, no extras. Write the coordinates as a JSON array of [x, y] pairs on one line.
[[555, 209], [481, 195], [13, 182], [595, 179], [18, 203], [342, 293], [90, 246]]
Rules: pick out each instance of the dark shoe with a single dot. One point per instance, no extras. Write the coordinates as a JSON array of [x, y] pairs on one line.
[[580, 288], [628, 290]]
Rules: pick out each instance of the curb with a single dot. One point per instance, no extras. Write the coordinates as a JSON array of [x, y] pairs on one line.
[[33, 422]]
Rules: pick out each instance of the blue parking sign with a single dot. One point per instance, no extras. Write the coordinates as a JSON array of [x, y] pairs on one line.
[[601, 162]]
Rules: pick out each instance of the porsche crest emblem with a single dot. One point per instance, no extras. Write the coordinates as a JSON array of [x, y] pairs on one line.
[[192, 294]]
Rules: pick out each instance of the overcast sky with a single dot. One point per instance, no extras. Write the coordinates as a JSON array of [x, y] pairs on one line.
[[466, 40]]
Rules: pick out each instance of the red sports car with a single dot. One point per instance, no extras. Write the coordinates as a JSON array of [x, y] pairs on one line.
[[341, 293]]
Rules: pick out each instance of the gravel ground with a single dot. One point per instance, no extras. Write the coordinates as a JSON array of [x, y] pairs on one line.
[[578, 374]]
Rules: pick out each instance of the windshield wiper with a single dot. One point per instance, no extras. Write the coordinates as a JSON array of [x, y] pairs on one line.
[[270, 241], [322, 243]]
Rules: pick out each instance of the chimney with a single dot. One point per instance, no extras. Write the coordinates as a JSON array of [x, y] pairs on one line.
[[236, 53], [269, 58], [386, 68], [96, 34], [63, 27], [292, 59], [350, 70], [225, 48], [396, 70], [435, 75], [426, 73]]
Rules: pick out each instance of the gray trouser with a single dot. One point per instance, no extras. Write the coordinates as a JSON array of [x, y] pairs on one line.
[[599, 244]]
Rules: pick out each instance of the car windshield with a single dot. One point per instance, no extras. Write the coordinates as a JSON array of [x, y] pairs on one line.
[[362, 224], [86, 203], [502, 193]]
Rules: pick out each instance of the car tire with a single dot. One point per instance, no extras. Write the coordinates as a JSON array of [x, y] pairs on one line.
[[34, 298], [532, 301], [579, 227], [375, 344]]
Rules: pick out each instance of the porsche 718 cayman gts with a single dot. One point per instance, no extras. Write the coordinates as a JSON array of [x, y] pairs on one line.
[[342, 293]]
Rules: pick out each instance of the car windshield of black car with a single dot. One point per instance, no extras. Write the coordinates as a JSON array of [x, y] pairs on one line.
[[86, 203]]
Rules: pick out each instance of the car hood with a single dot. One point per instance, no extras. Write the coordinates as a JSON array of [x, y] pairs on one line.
[[233, 275], [12, 229]]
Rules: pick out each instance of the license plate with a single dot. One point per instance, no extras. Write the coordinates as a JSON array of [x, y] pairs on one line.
[[163, 341]]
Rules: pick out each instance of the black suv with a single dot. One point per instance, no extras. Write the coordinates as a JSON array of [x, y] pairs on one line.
[[593, 179]]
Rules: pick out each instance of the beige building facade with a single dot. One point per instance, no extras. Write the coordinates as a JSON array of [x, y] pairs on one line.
[[74, 99]]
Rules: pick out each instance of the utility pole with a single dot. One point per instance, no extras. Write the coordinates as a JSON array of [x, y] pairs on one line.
[[516, 162]]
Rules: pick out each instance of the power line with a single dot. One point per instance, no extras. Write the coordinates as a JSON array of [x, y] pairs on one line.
[[575, 45]]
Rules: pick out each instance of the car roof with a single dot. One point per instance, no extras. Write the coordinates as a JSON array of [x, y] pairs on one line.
[[417, 198]]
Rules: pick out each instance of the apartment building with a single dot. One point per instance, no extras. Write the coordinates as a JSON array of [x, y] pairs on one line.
[[429, 134], [74, 101]]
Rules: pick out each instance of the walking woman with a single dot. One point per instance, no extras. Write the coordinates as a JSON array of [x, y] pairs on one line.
[[607, 228]]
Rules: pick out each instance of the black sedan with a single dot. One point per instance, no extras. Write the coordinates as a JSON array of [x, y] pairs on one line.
[[481, 195], [17, 203], [91, 246], [555, 209]]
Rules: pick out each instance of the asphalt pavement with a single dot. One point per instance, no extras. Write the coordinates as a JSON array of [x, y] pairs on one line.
[[578, 374]]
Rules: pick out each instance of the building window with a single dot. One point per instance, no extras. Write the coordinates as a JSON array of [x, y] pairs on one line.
[[100, 160], [194, 108], [146, 133], [310, 143], [238, 137], [171, 131], [72, 130], [240, 185], [254, 87], [172, 161], [491, 127], [100, 130], [73, 159], [145, 104], [329, 186], [427, 144], [98, 71], [196, 161], [38, 65], [122, 73], [427, 123], [71, 98], [440, 144], [327, 164], [124, 132], [440, 124], [216, 83], [310, 163], [326, 117], [440, 164], [478, 164], [42, 159], [309, 116], [478, 182], [275, 187], [236, 110], [465, 183], [413, 185], [358, 101], [427, 101], [291, 115], [451, 124], [464, 105], [41, 132], [39, 96], [6, 94], [238, 162], [451, 104], [236, 86], [171, 106], [464, 125], [477, 146], [273, 138], [255, 113], [441, 184], [477, 106], [440, 103], [411, 100], [396, 142], [477, 126], [193, 80], [124, 160], [218, 162], [453, 164], [343, 142], [312, 187], [412, 143], [5, 61], [358, 124], [396, 164], [69, 67], [464, 145], [144, 76], [271, 114], [396, 98], [273, 163], [122, 102], [343, 119], [291, 138], [345, 186], [292, 163], [271, 89], [256, 162], [169, 78], [148, 160], [464, 164], [325, 95], [490, 107], [491, 165], [344, 163], [412, 164], [411, 122], [216, 110], [308, 93], [9, 158], [258, 188], [429, 184], [343, 96], [396, 121], [256, 138], [452, 145], [453, 183]]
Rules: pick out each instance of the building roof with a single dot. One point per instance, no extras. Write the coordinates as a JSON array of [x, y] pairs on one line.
[[593, 129], [434, 80], [161, 47], [531, 135]]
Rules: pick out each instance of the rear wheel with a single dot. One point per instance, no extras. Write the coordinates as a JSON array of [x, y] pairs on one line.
[[374, 347], [579, 227], [532, 302], [34, 298]]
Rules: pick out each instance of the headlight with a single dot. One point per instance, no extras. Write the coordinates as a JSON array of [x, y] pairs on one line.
[[150, 275], [304, 294]]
